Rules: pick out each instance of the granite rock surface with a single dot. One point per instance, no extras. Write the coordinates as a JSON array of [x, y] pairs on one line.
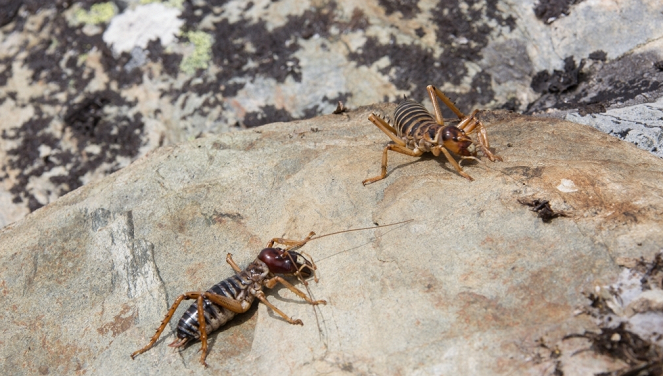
[[470, 286], [87, 87]]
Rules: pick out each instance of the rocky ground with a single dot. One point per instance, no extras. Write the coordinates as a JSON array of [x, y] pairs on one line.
[[135, 133], [88, 87], [480, 282]]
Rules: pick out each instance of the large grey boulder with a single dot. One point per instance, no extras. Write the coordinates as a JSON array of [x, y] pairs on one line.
[[468, 287], [88, 87]]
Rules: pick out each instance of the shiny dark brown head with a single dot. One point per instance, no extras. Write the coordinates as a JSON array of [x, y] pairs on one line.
[[281, 262], [456, 140]]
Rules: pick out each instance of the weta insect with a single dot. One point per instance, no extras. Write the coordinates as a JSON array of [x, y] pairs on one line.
[[218, 305], [417, 132]]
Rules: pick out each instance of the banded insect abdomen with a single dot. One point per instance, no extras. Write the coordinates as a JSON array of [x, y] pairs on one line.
[[416, 126], [215, 315], [413, 120]]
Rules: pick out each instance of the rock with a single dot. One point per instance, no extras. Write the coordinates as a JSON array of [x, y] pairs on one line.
[[468, 287], [237, 64], [640, 124]]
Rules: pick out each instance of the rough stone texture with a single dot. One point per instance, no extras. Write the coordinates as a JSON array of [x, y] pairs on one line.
[[85, 90], [641, 124], [468, 287]]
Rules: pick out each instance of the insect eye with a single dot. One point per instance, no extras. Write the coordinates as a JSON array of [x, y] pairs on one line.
[[455, 138]]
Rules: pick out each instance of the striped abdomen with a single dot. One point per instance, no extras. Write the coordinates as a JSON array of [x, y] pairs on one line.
[[215, 316], [414, 122]]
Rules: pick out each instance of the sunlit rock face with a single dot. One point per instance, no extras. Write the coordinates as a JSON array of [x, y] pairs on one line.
[[85, 89]]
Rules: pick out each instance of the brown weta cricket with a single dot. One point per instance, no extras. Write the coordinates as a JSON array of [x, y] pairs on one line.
[[417, 132], [218, 305]]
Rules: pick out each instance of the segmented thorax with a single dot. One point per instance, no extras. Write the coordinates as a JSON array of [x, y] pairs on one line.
[[237, 287], [415, 125]]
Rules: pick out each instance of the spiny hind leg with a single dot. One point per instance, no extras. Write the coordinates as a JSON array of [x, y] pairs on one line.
[[228, 303], [435, 92], [396, 148], [386, 128], [201, 330], [169, 316]]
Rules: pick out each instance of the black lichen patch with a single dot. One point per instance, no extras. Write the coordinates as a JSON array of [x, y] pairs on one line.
[[408, 8], [560, 80], [169, 61], [246, 49], [93, 121], [26, 157], [463, 32], [6, 73], [88, 123], [513, 104], [598, 55], [550, 10], [268, 114], [8, 10], [600, 86]]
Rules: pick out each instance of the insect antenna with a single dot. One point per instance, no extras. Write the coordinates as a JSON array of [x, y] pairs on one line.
[[311, 237], [360, 229]]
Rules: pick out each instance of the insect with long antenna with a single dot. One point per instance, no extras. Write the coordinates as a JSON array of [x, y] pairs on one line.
[[417, 132], [218, 305]]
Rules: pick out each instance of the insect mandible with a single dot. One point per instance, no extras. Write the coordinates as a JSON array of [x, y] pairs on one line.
[[417, 132]]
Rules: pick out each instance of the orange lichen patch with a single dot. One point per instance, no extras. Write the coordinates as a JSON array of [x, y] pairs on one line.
[[120, 323], [54, 356], [432, 288], [193, 275], [598, 195], [481, 313]]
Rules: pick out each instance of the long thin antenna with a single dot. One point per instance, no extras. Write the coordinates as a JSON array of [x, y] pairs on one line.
[[359, 229]]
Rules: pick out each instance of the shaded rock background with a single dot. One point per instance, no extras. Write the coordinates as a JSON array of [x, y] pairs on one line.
[[87, 87], [469, 287]]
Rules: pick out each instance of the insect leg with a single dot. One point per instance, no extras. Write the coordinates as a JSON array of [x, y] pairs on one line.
[[311, 267], [483, 143], [468, 124], [169, 315], [472, 124], [397, 148], [261, 296], [446, 101], [229, 260], [290, 243], [236, 306], [201, 330], [386, 128], [273, 281], [436, 151], [436, 105]]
